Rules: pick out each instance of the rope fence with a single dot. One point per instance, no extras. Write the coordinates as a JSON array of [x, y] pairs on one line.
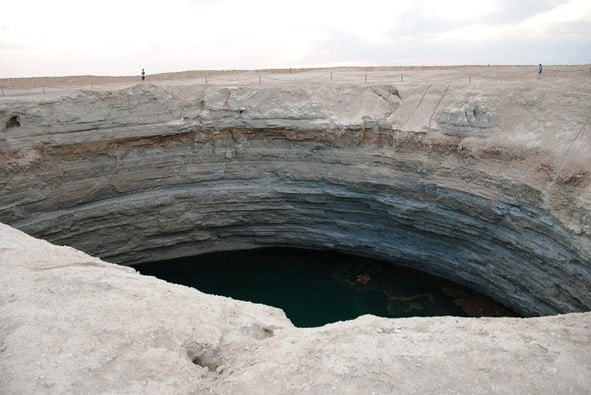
[[332, 76]]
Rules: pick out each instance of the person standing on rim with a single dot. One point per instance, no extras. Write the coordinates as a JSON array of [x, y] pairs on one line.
[[143, 75], [540, 71]]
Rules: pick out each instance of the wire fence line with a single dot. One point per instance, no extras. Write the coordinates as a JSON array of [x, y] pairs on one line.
[[336, 76]]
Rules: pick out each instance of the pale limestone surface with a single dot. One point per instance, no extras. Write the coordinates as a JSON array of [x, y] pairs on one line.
[[70, 323]]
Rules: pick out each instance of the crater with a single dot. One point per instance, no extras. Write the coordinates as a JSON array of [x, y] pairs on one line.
[[304, 168]]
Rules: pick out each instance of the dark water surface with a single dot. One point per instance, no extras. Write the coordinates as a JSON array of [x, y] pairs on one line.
[[315, 288]]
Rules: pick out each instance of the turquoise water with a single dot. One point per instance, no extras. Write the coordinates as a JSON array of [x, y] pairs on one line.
[[315, 288]]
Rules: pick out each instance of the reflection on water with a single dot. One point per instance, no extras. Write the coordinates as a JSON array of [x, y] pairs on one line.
[[315, 288]]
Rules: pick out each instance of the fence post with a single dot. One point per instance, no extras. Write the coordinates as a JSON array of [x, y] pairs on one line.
[[401, 77], [2, 92], [366, 78], [259, 79], [331, 75], [205, 80], [43, 89], [470, 78]]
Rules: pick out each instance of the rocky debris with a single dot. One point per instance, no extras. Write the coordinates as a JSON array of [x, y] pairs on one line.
[[71, 323], [472, 115]]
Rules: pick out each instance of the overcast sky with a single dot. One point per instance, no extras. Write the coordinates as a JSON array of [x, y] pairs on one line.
[[119, 37]]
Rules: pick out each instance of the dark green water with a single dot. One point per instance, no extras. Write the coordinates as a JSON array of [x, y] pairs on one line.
[[315, 288]]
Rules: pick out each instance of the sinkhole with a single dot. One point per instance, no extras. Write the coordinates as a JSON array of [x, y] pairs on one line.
[[318, 287]]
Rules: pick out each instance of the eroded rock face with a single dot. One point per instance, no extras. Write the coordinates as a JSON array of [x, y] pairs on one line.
[[486, 185]]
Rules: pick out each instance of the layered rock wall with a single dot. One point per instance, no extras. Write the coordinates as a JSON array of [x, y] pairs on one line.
[[487, 185]]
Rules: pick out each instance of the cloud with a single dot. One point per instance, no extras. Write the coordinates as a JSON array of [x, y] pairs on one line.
[[547, 31], [119, 37], [542, 25], [509, 11]]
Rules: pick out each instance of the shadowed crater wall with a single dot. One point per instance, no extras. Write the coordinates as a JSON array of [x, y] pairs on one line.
[[487, 186]]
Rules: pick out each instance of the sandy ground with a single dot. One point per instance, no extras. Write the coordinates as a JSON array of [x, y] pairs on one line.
[[379, 74]]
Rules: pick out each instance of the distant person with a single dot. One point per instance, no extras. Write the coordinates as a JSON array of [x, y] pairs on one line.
[[540, 71], [143, 75]]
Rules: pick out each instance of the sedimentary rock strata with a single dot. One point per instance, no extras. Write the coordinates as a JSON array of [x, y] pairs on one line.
[[485, 184]]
